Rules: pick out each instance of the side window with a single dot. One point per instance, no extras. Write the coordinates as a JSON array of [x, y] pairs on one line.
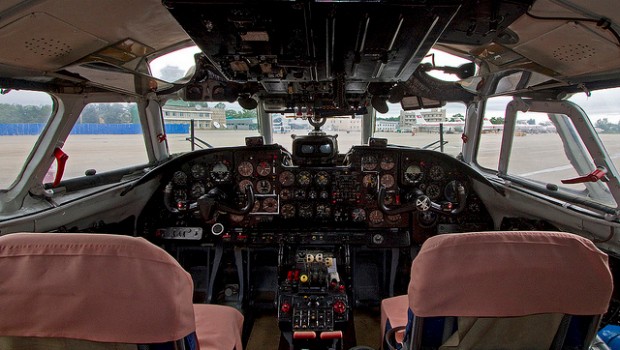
[[23, 115], [491, 140], [106, 137]]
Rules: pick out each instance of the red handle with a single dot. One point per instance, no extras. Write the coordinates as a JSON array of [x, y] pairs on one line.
[[61, 158], [597, 175]]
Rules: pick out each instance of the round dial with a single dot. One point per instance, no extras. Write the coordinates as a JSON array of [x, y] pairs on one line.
[[286, 178], [263, 168], [299, 193], [220, 172], [285, 194], [304, 178], [393, 218], [312, 194], [245, 168], [263, 186], [358, 215], [287, 211], [370, 180], [322, 178], [179, 178], [387, 180], [324, 195], [323, 211], [387, 163], [436, 172], [270, 205], [198, 171], [413, 174], [243, 184], [433, 191], [369, 163], [179, 195], [305, 211], [198, 190], [427, 218], [375, 217]]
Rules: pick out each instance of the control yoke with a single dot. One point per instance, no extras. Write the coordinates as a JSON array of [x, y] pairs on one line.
[[423, 203]]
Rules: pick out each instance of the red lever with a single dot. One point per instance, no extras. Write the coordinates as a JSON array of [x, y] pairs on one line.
[[61, 158], [597, 175]]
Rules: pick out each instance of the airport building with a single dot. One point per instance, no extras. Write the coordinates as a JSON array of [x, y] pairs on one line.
[[181, 112]]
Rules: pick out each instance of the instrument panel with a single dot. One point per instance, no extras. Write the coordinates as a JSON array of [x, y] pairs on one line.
[[249, 193]]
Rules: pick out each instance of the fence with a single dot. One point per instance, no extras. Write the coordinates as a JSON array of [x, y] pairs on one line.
[[89, 129]]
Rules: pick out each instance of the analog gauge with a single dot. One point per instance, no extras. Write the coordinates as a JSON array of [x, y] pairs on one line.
[[388, 199], [285, 194], [427, 218], [220, 172], [304, 178], [436, 172], [198, 190], [312, 194], [340, 215], [323, 211], [387, 163], [305, 211], [179, 178], [287, 211], [375, 217], [270, 205], [369, 163], [387, 180], [263, 168], [393, 218], [198, 171], [263, 186], [180, 195], [451, 190], [300, 193], [256, 206], [433, 191], [413, 174], [370, 180], [243, 184], [286, 178], [358, 215], [322, 178], [245, 168], [324, 195], [236, 218]]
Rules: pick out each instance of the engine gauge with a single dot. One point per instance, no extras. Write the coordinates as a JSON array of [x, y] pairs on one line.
[[179, 178], [198, 171], [370, 180], [387, 163], [179, 195], [312, 194], [394, 219], [245, 168], [427, 218], [387, 180], [243, 184], [198, 190], [220, 172], [263, 168], [286, 178], [413, 174], [322, 178], [285, 194], [287, 211], [369, 163], [304, 178], [263, 186], [436, 172], [305, 211], [433, 191], [270, 205], [358, 215], [323, 211], [375, 217]]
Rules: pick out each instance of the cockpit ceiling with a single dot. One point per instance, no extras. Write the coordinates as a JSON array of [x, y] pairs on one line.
[[376, 42]]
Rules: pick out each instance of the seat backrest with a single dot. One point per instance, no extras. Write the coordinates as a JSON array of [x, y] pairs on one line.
[[492, 283], [92, 287]]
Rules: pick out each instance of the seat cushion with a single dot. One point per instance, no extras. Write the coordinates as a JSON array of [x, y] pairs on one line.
[[218, 327]]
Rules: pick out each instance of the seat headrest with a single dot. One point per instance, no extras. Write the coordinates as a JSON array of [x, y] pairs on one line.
[[511, 273], [97, 287]]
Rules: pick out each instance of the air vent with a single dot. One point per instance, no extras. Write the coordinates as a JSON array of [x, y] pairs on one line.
[[47, 47], [574, 52]]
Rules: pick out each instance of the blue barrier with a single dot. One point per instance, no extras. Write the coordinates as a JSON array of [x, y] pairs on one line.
[[89, 129]]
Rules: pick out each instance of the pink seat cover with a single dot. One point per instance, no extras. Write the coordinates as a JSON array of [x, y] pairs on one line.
[[502, 274], [98, 287], [218, 327]]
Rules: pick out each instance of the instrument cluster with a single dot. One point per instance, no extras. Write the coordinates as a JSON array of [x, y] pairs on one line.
[[376, 188]]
